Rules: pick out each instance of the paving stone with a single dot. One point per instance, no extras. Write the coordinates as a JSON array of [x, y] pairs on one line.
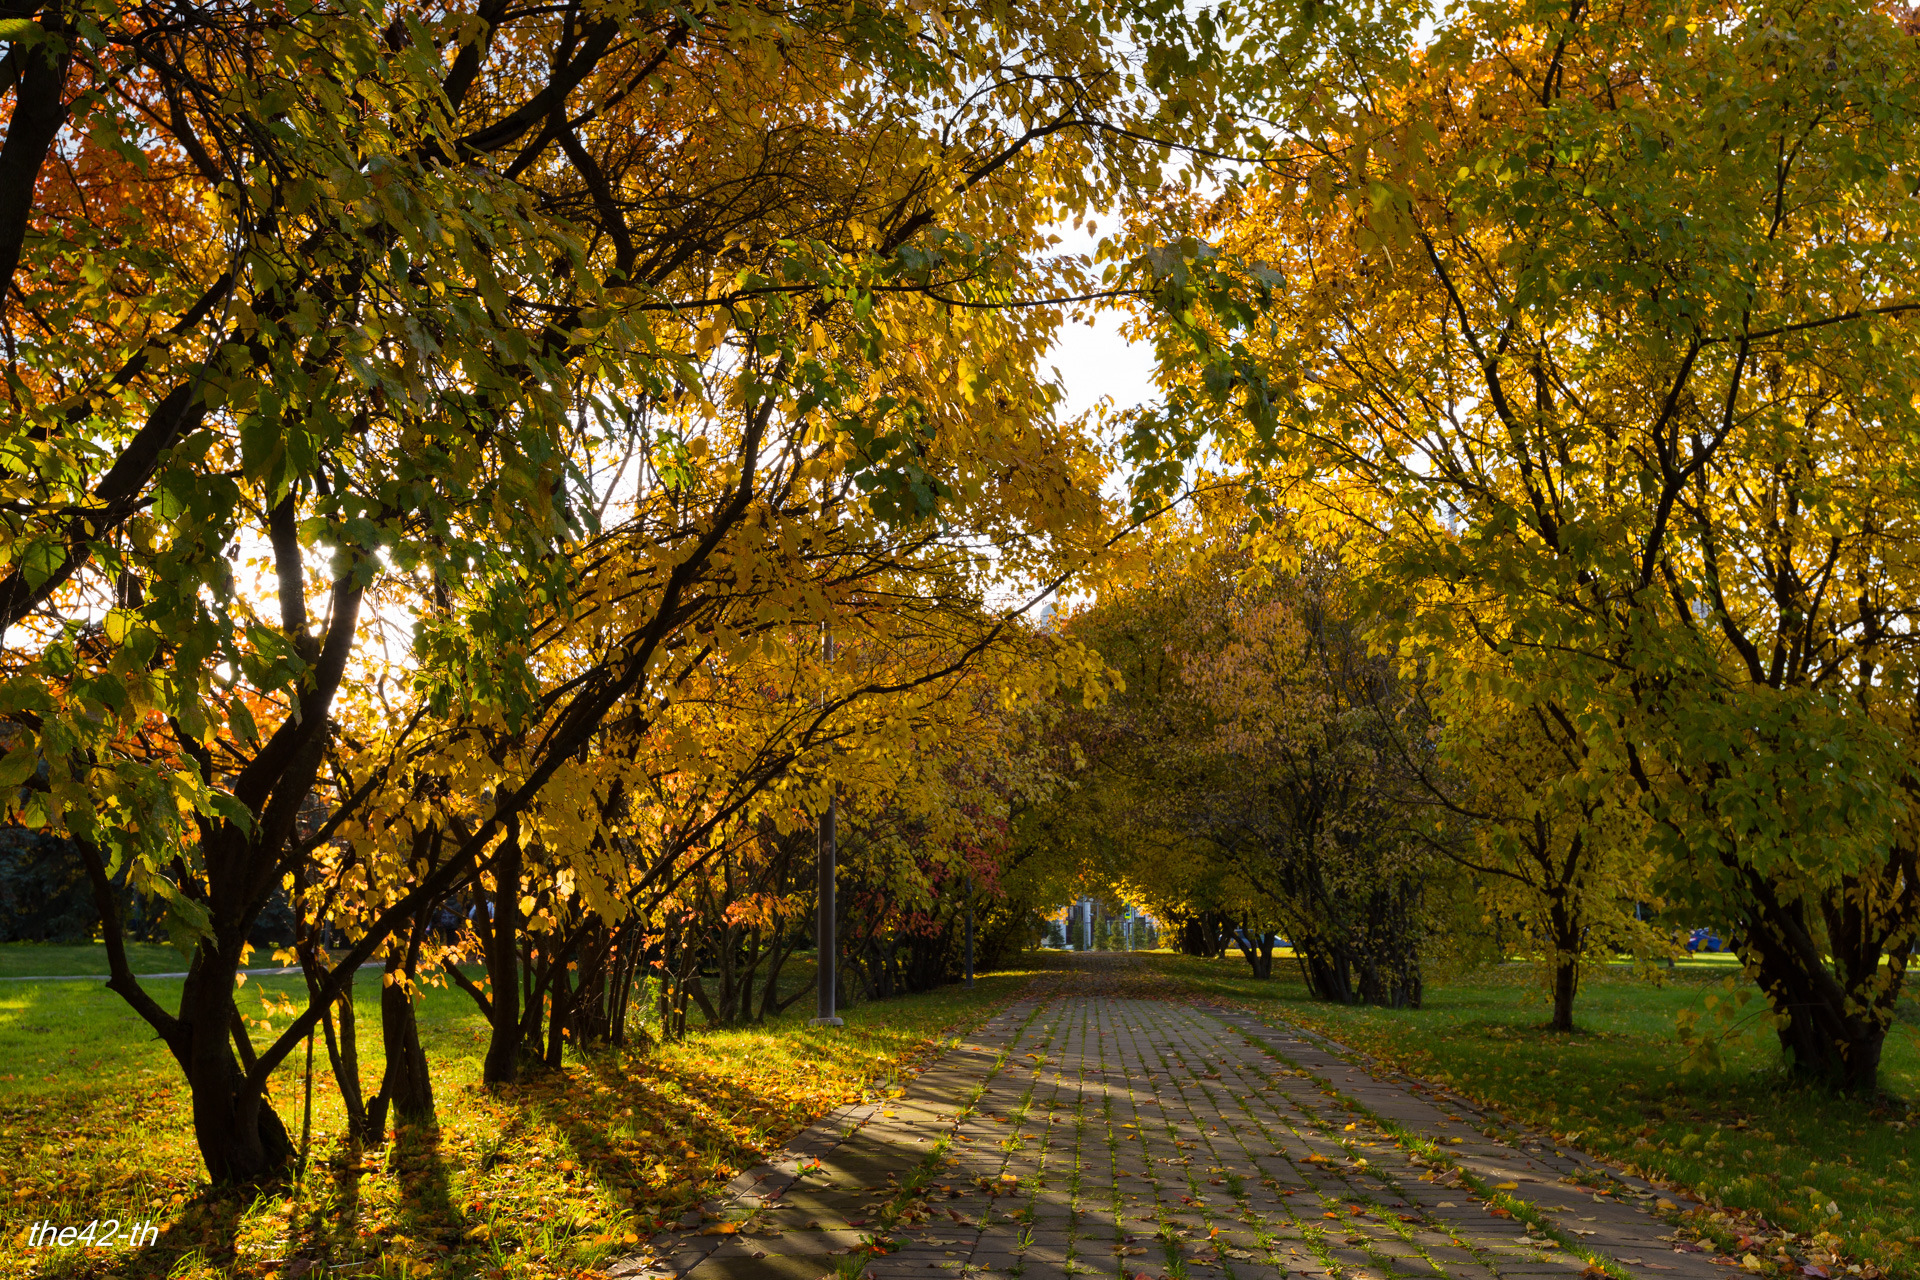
[[1134, 1119]]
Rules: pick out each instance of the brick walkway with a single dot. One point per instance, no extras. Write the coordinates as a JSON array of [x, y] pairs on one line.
[[1120, 1136]]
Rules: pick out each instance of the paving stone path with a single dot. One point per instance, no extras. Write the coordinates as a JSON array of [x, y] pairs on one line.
[[1112, 1135]]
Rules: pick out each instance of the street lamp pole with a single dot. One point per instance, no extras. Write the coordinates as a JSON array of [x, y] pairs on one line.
[[823, 925], [823, 929], [969, 928]]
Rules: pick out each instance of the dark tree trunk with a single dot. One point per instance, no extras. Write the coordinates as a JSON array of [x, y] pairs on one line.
[[1566, 982], [1566, 940], [1836, 1000], [1258, 950], [343, 1053], [590, 1012], [1329, 976], [535, 969], [408, 1088], [561, 996], [502, 1064], [39, 112], [240, 1136], [623, 973], [697, 989]]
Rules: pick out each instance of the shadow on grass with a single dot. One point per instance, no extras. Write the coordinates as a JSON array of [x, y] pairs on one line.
[[549, 1177], [201, 1236]]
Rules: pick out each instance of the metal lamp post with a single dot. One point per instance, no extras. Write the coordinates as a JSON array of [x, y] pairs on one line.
[[969, 928], [823, 926]]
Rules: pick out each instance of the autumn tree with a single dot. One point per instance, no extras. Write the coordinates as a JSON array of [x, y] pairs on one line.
[[1559, 855], [1315, 804], [1587, 328], [1254, 757], [298, 300]]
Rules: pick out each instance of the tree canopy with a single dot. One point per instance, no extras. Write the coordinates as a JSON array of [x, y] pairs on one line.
[[493, 479], [1586, 331]]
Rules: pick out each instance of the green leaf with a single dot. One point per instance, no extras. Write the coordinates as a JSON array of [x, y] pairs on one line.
[[19, 764], [230, 808], [187, 923], [241, 718]]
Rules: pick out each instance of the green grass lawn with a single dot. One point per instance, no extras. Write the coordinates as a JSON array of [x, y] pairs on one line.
[[1620, 1088], [556, 1174], [36, 959], [543, 1179]]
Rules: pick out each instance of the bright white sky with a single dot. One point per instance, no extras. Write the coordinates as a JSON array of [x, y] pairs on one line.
[[1094, 361]]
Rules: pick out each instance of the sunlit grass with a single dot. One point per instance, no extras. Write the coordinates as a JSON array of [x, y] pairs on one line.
[[35, 959], [546, 1178]]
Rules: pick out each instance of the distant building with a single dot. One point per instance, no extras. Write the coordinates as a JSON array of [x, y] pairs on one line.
[[1087, 925]]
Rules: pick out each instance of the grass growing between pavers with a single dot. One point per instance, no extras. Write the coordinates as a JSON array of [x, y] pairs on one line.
[[548, 1178], [1618, 1088]]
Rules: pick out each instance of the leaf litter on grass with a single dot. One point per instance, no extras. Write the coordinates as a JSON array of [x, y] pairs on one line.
[[551, 1177]]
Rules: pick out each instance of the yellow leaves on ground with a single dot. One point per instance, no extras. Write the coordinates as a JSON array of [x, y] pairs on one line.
[[557, 1174]]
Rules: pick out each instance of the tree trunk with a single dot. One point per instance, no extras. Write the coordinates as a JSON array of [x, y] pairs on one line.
[[502, 1064], [1258, 950], [1837, 1011], [343, 1053], [1329, 977], [590, 1011], [535, 970], [696, 988], [1566, 981], [1566, 940], [240, 1135], [407, 1088], [561, 995]]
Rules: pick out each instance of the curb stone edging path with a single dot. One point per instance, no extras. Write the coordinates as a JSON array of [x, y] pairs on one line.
[[1089, 1134]]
